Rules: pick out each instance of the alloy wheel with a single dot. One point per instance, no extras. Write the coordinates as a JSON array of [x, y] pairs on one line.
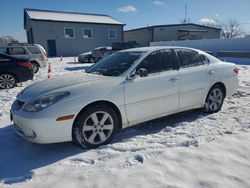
[[98, 127], [7, 81], [215, 99], [35, 67]]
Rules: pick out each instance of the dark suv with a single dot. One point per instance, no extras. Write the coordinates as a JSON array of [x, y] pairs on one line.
[[30, 51]]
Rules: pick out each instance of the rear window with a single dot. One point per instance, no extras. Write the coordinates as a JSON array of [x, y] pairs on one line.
[[17, 51], [34, 50]]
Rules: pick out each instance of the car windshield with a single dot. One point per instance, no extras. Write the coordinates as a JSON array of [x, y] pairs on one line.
[[115, 64]]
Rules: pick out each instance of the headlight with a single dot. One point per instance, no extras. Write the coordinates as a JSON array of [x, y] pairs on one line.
[[44, 101]]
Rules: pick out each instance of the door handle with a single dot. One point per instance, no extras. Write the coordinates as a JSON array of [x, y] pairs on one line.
[[210, 73], [173, 79]]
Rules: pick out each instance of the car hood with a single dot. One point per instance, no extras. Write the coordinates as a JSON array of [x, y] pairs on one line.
[[58, 84]]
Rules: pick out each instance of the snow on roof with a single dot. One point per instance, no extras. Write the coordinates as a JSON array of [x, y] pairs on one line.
[[71, 17]]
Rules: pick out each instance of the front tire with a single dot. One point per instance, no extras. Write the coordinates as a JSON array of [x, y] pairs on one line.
[[96, 126], [7, 81], [214, 100]]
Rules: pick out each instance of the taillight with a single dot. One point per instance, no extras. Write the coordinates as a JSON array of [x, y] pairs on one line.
[[43, 57], [25, 64], [236, 70]]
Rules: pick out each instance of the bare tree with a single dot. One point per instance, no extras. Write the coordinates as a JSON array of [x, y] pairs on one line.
[[211, 23], [231, 29], [8, 39]]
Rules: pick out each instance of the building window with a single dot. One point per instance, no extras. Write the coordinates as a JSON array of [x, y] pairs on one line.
[[87, 33], [112, 33], [69, 32]]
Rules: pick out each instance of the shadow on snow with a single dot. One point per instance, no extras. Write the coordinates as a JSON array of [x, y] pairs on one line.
[[19, 158]]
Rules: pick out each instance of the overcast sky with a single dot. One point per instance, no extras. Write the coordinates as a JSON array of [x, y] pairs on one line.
[[134, 13]]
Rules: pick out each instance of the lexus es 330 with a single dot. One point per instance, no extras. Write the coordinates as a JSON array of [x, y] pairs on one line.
[[121, 90]]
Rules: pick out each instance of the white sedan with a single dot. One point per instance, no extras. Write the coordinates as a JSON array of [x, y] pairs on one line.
[[121, 90]]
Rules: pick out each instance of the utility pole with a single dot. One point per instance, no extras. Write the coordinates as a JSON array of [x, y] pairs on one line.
[[185, 20]]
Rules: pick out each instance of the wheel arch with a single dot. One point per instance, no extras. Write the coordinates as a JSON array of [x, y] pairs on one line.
[[220, 84], [35, 61], [108, 103]]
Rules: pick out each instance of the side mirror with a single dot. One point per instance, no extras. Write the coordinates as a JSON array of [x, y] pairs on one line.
[[132, 76], [142, 72]]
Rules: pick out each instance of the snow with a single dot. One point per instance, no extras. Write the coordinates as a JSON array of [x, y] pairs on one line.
[[189, 149], [71, 17]]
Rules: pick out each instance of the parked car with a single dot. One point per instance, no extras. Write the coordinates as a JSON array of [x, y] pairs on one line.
[[95, 55], [42, 50], [31, 51], [117, 46], [86, 58], [101, 52], [14, 70], [121, 90]]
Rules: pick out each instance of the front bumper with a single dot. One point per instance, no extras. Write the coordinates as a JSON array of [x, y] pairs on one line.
[[25, 75], [38, 128]]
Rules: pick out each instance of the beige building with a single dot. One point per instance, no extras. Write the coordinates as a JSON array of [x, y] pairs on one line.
[[145, 35]]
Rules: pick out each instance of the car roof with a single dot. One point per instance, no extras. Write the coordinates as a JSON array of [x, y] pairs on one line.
[[154, 48], [12, 58], [17, 45], [106, 47]]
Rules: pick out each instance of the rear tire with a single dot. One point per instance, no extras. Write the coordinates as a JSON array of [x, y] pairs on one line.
[[95, 126], [214, 100], [35, 67], [91, 60], [7, 81]]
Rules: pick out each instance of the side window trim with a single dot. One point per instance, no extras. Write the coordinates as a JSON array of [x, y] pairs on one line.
[[177, 63]]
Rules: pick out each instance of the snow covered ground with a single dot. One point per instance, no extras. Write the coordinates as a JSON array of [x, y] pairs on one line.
[[189, 149]]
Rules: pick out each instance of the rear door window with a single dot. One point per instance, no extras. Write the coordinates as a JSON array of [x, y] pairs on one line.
[[159, 61], [189, 58], [34, 50], [17, 51]]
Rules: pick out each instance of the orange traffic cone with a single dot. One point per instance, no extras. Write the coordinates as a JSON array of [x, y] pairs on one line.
[[49, 70]]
